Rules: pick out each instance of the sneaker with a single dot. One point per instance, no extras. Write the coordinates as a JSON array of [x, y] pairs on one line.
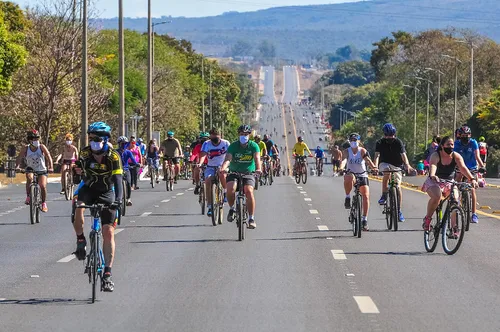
[[27, 201], [230, 215], [252, 224], [61, 192], [129, 202], [197, 190], [365, 225], [164, 179], [382, 199], [107, 284], [209, 211], [175, 181], [347, 203], [137, 188], [474, 219], [401, 217], [81, 249], [44, 207], [427, 224]]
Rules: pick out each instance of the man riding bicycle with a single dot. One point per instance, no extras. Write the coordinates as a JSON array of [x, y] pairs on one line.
[[243, 156], [392, 154], [195, 158], [298, 151], [37, 158], [102, 170], [336, 158], [319, 155], [68, 157], [271, 150], [127, 158], [215, 150], [171, 149]]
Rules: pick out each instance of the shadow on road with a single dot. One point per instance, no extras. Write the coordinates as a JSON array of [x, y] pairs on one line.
[[168, 226], [45, 301], [15, 223], [391, 231], [186, 241]]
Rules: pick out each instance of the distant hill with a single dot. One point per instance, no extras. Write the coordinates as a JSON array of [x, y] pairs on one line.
[[303, 31]]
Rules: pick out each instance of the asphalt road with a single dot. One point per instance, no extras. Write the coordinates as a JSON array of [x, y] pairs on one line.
[[175, 272]]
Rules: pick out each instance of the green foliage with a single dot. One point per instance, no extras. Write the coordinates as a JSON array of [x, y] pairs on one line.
[[241, 48], [355, 73]]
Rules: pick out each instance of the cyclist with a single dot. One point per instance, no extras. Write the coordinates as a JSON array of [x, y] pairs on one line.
[[469, 150], [319, 155], [336, 156], [356, 158], [195, 158], [298, 151], [242, 156], [102, 170], [271, 150], [392, 155], [263, 150], [276, 158], [215, 151], [37, 157], [443, 163], [152, 158], [171, 149], [68, 157], [127, 158], [483, 149], [135, 168], [141, 146]]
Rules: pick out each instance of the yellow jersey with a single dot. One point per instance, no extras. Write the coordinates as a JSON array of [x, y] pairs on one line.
[[300, 148], [262, 147]]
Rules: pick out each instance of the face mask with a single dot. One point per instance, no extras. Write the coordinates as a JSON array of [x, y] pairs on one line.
[[35, 143], [96, 146], [465, 140], [215, 140], [244, 139], [69, 142], [354, 144], [448, 150]]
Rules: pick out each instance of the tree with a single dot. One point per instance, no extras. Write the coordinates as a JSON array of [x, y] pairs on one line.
[[241, 48], [355, 73], [267, 50], [386, 48]]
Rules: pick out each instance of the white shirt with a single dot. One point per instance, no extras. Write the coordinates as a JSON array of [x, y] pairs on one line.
[[356, 162], [36, 160], [215, 153]]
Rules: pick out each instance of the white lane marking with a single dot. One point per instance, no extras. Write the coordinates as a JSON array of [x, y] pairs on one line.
[[132, 220], [313, 211], [35, 276], [67, 259], [174, 197], [157, 206], [180, 194], [349, 275], [338, 254], [165, 201], [118, 230], [299, 187], [145, 214], [303, 192], [191, 189], [366, 305], [307, 199], [318, 218], [2, 299], [329, 238], [310, 204], [322, 227]]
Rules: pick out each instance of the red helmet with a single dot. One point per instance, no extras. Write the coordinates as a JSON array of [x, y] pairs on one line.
[[32, 134]]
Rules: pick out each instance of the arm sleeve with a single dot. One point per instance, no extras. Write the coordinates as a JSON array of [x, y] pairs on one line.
[[117, 175], [204, 147], [118, 183], [130, 157]]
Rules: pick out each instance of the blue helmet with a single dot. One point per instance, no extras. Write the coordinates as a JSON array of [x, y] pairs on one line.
[[170, 133], [389, 129], [100, 129]]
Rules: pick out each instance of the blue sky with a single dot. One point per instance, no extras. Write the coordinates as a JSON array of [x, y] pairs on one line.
[[188, 8]]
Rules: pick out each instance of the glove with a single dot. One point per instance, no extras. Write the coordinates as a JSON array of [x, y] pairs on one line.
[[115, 205]]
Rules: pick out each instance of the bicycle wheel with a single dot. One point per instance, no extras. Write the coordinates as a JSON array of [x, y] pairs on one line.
[[271, 177], [352, 218], [359, 221], [394, 207], [431, 237], [93, 266], [298, 175], [387, 212], [123, 207], [151, 174], [33, 204], [202, 198], [38, 203], [452, 236], [67, 185], [241, 223], [167, 177], [221, 203], [214, 203], [467, 207], [304, 174]]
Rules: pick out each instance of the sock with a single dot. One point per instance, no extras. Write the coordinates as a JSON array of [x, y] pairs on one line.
[[348, 196], [80, 237], [250, 217], [107, 270], [363, 218]]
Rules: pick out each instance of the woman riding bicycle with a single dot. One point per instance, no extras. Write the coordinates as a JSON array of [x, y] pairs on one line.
[[127, 160], [153, 158]]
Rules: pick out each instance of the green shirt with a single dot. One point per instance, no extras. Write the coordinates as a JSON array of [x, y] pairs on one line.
[[243, 157]]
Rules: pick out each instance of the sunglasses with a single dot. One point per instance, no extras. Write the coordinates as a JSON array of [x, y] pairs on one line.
[[96, 139]]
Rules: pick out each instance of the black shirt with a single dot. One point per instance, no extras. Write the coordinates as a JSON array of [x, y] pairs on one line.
[[269, 146], [390, 150]]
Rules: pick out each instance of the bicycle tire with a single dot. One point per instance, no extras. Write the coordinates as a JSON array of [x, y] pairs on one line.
[[67, 185], [387, 212], [271, 178], [38, 202], [446, 230], [152, 176], [466, 206], [352, 218], [394, 208], [214, 203], [123, 207], [33, 206], [431, 237], [359, 204], [167, 177], [304, 174], [94, 265], [221, 203], [202, 198], [241, 235], [297, 176]]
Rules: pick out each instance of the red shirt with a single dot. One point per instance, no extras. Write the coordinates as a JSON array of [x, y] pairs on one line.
[[195, 155]]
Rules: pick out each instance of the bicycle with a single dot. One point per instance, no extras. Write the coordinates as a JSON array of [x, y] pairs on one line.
[[94, 266], [453, 214], [356, 206], [319, 166], [391, 205], [241, 206], [466, 202], [68, 180], [169, 174], [201, 184], [35, 196], [301, 170], [266, 176], [185, 170], [153, 172], [217, 200]]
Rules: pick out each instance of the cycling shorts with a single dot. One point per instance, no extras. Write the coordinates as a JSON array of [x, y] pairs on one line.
[[175, 160], [248, 180], [90, 197], [384, 167], [210, 171]]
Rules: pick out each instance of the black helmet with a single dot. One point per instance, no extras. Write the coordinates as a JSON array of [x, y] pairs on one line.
[[464, 130], [300, 139], [354, 136], [244, 129], [32, 134]]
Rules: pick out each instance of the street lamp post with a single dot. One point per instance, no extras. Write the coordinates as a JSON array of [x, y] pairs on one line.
[[428, 106], [84, 99], [438, 97], [457, 61], [150, 77], [414, 119], [471, 78], [121, 116]]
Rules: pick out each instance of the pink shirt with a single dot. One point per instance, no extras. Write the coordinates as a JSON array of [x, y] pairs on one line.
[[136, 152]]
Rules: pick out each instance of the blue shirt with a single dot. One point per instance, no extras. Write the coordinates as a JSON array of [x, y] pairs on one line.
[[127, 157], [468, 152], [319, 153]]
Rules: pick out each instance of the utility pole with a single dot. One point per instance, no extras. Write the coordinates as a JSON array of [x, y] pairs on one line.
[[203, 96], [84, 100], [121, 117], [211, 113], [150, 77], [414, 118], [457, 61], [322, 99], [439, 73]]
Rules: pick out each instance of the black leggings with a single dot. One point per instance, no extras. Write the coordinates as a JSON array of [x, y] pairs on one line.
[[126, 177], [133, 175]]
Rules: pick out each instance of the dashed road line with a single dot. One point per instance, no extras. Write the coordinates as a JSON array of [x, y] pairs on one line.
[[180, 194], [145, 214], [366, 305], [338, 254], [132, 220], [322, 227], [165, 201], [303, 192], [313, 211], [67, 259], [307, 199], [34, 276]]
